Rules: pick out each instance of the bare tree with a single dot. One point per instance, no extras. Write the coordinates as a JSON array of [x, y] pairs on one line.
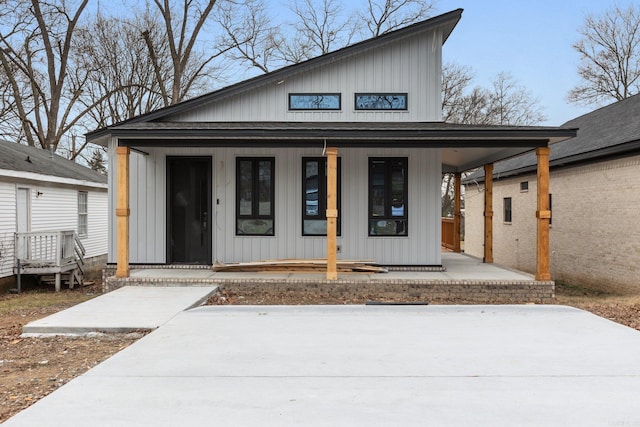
[[459, 106], [512, 104], [249, 35], [35, 56], [8, 128], [383, 16], [183, 21], [609, 51], [321, 26], [505, 103], [123, 76]]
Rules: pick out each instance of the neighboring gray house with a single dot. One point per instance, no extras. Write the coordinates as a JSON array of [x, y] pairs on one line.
[[43, 193], [239, 174], [595, 203]]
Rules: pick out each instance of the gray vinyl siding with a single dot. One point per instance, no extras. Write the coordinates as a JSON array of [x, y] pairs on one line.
[[57, 209], [388, 69], [54, 209], [148, 211]]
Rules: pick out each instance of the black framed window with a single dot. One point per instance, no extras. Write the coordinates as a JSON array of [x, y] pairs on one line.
[[388, 196], [315, 101], [506, 203], [524, 186], [255, 196], [381, 101], [314, 196]]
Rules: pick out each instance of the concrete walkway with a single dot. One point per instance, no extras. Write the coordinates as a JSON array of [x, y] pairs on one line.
[[125, 310], [530, 365]]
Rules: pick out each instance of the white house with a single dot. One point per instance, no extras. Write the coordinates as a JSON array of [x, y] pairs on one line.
[[43, 192], [595, 203], [239, 174]]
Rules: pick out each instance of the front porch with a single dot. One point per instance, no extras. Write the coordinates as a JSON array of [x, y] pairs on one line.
[[462, 279]]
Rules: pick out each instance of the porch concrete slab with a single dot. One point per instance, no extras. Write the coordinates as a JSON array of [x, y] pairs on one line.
[[459, 266], [362, 365], [127, 309]]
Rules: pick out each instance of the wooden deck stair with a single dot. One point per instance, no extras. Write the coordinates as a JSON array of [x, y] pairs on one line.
[[57, 254]]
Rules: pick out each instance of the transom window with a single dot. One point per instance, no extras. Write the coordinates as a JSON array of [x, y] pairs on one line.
[[255, 183], [315, 101], [381, 101], [388, 184], [314, 196]]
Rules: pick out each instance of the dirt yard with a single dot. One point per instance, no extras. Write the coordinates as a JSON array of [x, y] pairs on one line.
[[31, 368]]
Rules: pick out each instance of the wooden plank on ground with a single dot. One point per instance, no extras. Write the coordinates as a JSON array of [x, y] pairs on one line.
[[299, 265]]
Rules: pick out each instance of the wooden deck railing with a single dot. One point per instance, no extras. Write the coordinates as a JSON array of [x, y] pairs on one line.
[[50, 252], [447, 233]]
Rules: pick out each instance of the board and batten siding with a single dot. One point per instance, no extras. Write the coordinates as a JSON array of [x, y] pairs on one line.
[[388, 69], [148, 210], [7, 227]]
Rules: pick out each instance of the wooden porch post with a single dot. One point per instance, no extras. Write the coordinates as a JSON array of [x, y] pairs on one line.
[[122, 213], [488, 213], [456, 211], [543, 214], [332, 212]]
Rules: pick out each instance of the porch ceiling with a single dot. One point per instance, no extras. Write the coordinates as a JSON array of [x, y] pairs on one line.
[[463, 147]]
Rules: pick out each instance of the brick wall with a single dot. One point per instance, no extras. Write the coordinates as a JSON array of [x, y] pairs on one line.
[[595, 231], [444, 291]]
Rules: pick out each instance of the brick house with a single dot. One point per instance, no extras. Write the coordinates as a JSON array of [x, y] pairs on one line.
[[594, 200]]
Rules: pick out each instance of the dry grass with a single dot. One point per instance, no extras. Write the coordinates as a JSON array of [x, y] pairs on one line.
[[621, 308]]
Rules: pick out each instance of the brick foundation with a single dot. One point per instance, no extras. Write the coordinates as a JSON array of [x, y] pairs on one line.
[[463, 291]]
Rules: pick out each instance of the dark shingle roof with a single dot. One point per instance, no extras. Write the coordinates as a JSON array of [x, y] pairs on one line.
[[23, 158], [607, 131]]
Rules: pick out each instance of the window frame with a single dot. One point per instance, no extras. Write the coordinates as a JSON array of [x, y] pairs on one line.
[[322, 194], [336, 94], [83, 214], [255, 183], [524, 186], [388, 208], [381, 94], [507, 209]]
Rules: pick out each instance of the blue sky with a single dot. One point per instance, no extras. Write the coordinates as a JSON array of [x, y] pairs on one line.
[[531, 39]]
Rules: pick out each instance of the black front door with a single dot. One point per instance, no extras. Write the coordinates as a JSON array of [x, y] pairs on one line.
[[189, 210]]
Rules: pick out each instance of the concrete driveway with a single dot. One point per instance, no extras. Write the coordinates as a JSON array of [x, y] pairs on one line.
[[530, 365]]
